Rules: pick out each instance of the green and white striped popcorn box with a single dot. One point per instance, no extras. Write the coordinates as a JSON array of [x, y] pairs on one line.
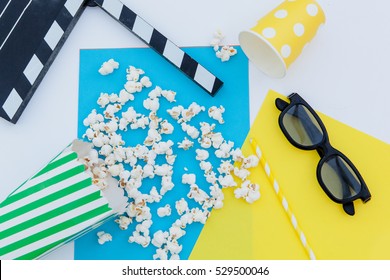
[[55, 206]]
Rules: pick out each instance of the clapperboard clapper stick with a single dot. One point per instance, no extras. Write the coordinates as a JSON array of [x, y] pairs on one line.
[[33, 31]]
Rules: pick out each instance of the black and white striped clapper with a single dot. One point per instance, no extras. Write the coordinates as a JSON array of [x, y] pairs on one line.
[[31, 34]]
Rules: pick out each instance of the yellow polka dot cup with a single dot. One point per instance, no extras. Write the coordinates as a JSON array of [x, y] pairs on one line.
[[280, 36]]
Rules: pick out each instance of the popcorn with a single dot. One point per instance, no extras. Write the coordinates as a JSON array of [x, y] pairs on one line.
[[181, 206], [93, 118], [227, 181], [206, 166], [217, 39], [164, 211], [103, 237], [211, 177], [224, 149], [154, 196], [185, 144], [250, 192], [148, 171], [160, 238], [108, 67], [166, 127], [173, 247], [163, 170], [133, 87], [133, 73], [199, 216], [166, 184], [110, 111], [206, 128], [188, 179], [115, 169], [197, 194], [225, 53], [236, 155], [192, 131], [169, 95], [225, 167], [201, 155], [103, 100], [151, 104], [250, 161], [175, 112], [216, 113], [123, 222], [241, 173], [105, 150], [142, 240], [170, 159], [145, 81], [217, 140], [175, 232], [161, 254], [154, 93], [125, 96], [205, 142]]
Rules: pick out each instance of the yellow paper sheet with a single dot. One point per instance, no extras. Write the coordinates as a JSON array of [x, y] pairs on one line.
[[262, 230]]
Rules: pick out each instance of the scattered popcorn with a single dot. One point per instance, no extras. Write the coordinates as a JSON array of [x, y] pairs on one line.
[[152, 104], [192, 131], [175, 112], [181, 206], [130, 166], [217, 39], [108, 67], [103, 237], [123, 222], [250, 162], [206, 166], [164, 211], [250, 192], [226, 167], [216, 113], [161, 254], [169, 95], [224, 150], [145, 81], [160, 238], [225, 53], [201, 155], [188, 179], [185, 144], [166, 184], [227, 181]]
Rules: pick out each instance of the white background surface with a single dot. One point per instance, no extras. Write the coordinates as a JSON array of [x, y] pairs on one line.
[[343, 73]]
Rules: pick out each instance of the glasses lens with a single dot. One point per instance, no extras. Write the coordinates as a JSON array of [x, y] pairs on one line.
[[302, 126], [339, 178]]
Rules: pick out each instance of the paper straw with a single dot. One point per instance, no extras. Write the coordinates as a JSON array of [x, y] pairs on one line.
[[162, 45], [282, 199]]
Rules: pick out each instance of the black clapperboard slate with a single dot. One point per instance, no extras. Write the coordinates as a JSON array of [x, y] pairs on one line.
[[32, 33]]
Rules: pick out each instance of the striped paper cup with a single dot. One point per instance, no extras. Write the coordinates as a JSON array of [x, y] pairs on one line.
[[55, 206]]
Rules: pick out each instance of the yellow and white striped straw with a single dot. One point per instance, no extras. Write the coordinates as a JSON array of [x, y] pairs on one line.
[[282, 199]]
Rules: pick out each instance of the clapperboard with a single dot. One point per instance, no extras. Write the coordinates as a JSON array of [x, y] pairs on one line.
[[33, 31]]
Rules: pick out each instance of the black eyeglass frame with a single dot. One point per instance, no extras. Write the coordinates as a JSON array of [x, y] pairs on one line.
[[325, 150]]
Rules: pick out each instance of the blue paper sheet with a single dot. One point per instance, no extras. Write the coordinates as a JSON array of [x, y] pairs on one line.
[[234, 96]]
